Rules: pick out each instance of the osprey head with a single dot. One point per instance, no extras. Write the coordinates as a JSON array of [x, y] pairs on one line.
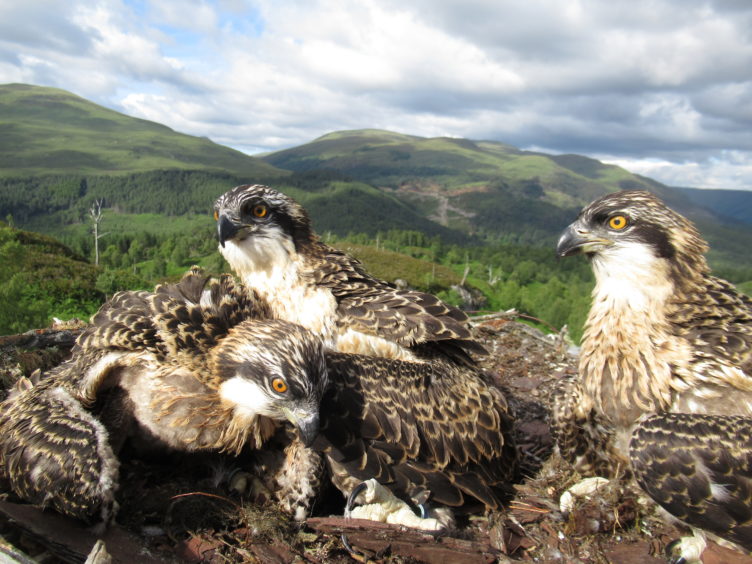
[[630, 224], [255, 210], [274, 369]]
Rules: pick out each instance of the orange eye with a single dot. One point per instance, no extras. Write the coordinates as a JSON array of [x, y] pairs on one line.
[[216, 215], [259, 210], [279, 385], [618, 222]]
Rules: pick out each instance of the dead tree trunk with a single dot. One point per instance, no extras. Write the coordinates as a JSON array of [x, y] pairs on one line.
[[96, 215]]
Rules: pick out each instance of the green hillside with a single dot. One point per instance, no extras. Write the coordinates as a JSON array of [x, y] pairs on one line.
[[449, 165], [47, 131], [39, 278], [61, 153], [431, 211]]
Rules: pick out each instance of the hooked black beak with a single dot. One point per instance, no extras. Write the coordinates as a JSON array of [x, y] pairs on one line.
[[307, 424], [571, 241], [577, 239], [226, 229]]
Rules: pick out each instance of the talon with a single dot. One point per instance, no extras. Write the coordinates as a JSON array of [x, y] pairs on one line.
[[352, 552], [353, 495], [348, 510]]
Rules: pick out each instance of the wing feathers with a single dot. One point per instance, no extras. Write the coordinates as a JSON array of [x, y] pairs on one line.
[[375, 307], [423, 419], [699, 468]]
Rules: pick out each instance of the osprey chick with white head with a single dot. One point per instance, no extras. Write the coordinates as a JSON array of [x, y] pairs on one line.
[[200, 366], [407, 404], [268, 241]]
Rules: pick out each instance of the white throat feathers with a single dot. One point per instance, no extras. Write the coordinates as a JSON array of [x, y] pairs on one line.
[[629, 372], [272, 267]]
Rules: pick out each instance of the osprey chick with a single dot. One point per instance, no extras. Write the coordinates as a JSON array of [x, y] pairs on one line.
[[202, 368], [662, 337], [268, 241]]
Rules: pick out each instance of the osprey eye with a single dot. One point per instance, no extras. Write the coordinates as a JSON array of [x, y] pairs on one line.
[[216, 215], [617, 222], [259, 210], [279, 385]]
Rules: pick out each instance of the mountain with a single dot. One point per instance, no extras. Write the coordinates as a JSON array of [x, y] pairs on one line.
[[735, 205], [496, 190], [60, 152], [446, 165], [47, 131]]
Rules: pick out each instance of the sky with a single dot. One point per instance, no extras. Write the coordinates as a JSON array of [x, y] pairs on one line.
[[660, 87]]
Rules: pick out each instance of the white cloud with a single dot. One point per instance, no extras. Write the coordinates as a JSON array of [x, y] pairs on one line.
[[729, 169], [662, 85]]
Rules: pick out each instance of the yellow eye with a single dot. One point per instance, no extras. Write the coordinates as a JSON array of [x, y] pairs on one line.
[[216, 215], [618, 222], [279, 385], [259, 210]]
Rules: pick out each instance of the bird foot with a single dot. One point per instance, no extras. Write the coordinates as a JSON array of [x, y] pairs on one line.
[[687, 550], [382, 505], [583, 488]]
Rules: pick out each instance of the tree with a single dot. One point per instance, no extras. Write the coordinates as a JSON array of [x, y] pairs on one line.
[[96, 215]]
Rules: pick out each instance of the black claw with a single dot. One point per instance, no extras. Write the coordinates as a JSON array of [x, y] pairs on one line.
[[353, 494], [348, 509]]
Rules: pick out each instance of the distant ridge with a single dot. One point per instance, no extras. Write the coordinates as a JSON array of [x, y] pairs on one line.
[[735, 205], [60, 152], [453, 165], [51, 131]]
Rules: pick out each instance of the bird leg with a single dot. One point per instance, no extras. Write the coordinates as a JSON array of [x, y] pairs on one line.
[[299, 479], [245, 483], [383, 506]]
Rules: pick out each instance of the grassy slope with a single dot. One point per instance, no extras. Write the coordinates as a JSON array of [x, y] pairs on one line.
[[491, 188], [390, 159], [49, 131]]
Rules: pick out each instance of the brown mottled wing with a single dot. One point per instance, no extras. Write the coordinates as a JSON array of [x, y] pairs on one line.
[[717, 320], [55, 453], [182, 321], [411, 426], [191, 316], [699, 468], [373, 306], [584, 439], [122, 323], [123, 328]]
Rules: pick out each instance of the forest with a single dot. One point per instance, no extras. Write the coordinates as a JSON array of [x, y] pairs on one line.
[[155, 225], [41, 279]]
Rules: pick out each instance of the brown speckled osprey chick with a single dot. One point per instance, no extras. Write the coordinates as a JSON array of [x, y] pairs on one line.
[[203, 368], [666, 363]]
